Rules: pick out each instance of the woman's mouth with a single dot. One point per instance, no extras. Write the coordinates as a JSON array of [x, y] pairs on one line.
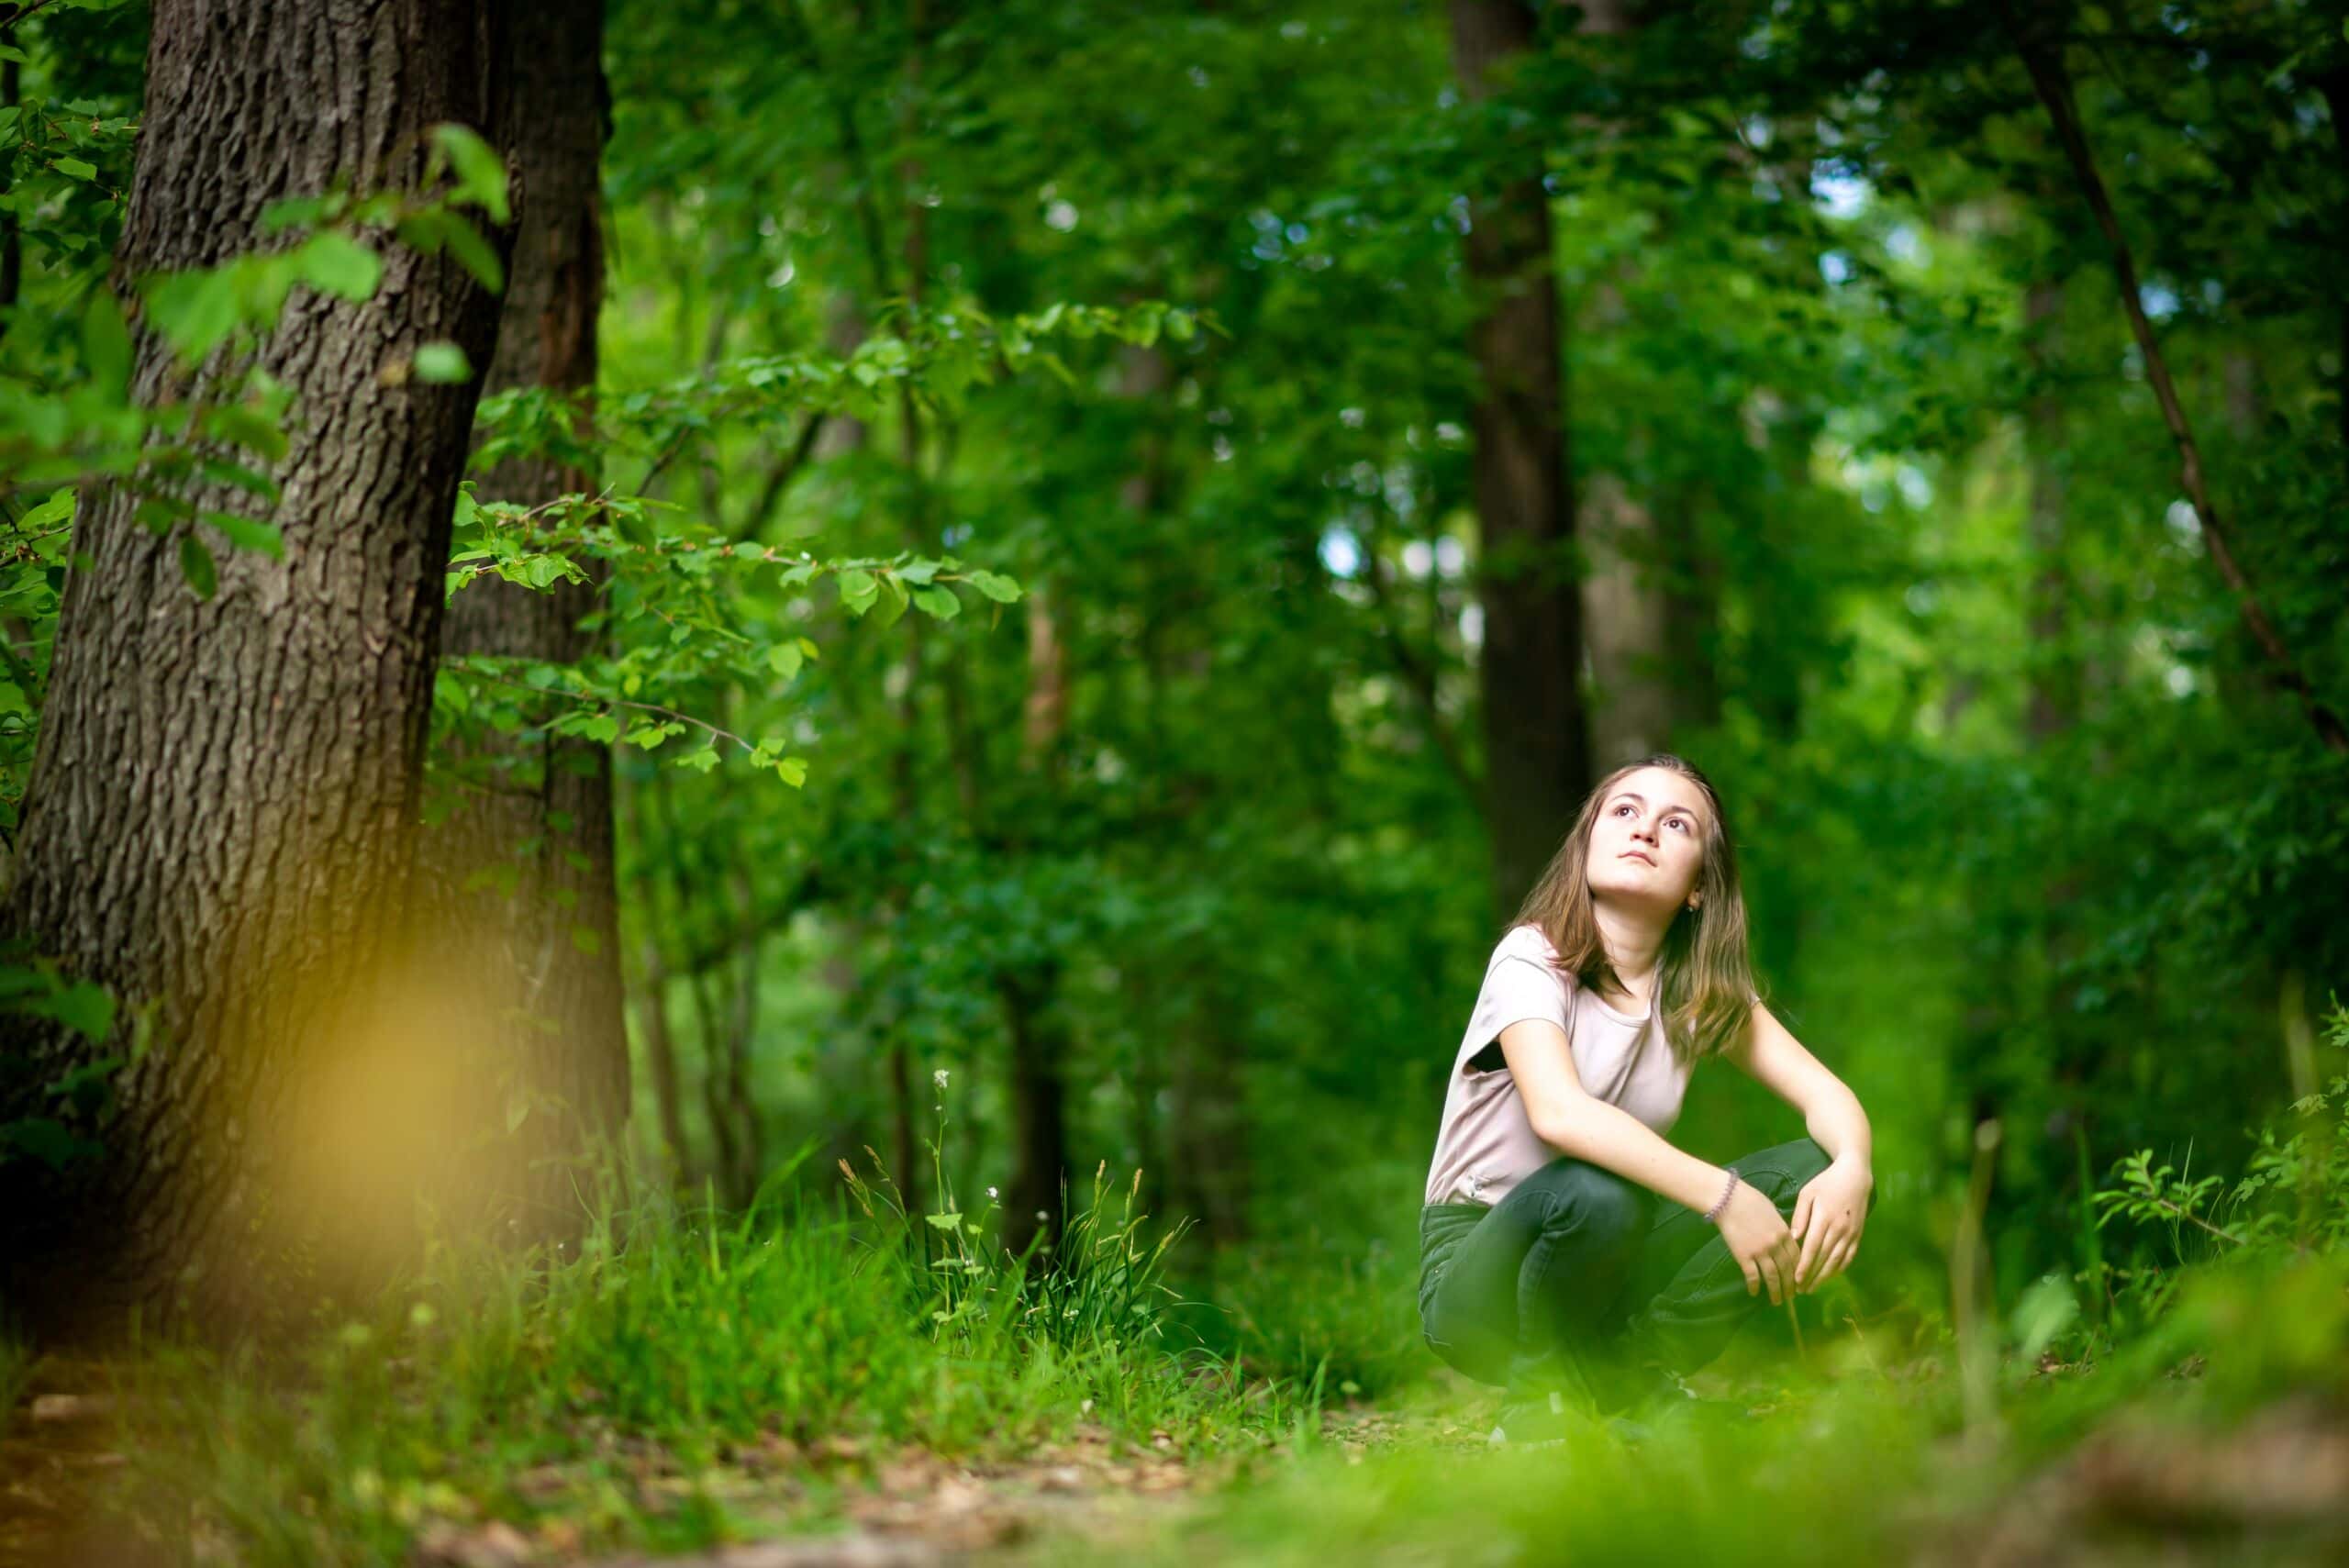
[[1638, 855]]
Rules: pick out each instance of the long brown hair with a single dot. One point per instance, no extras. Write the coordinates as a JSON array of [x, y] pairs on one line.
[[1704, 984]]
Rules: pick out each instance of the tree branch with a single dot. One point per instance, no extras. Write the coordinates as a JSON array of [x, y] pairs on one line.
[[2053, 83]]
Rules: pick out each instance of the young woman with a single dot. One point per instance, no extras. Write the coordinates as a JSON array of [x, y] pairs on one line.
[[1568, 1250]]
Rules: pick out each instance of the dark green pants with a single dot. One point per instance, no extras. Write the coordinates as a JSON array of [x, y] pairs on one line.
[[1580, 1278]]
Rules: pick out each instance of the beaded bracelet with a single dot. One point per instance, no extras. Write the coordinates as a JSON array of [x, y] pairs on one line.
[[1715, 1212]]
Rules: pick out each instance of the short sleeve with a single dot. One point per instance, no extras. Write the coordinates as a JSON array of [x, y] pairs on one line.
[[1517, 988]]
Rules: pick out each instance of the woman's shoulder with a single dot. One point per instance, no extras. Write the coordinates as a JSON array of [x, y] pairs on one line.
[[1526, 938], [1529, 942]]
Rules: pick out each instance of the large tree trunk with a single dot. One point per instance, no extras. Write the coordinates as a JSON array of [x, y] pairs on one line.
[[220, 816], [1627, 624], [544, 941], [1537, 749]]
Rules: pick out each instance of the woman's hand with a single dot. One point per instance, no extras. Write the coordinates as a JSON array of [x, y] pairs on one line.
[[1830, 1213], [1760, 1242]]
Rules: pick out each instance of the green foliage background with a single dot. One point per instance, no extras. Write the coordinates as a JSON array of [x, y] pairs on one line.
[[1154, 315]]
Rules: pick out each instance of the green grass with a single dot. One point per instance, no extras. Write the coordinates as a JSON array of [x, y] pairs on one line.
[[1849, 1467], [683, 1376], [636, 1390]]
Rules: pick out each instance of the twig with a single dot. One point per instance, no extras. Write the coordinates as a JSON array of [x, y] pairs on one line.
[[592, 700], [2189, 1214]]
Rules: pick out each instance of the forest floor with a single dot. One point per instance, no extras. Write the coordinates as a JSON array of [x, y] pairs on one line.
[[2270, 1488]]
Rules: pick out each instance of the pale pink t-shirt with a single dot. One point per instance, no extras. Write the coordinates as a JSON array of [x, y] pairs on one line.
[[1486, 1145]]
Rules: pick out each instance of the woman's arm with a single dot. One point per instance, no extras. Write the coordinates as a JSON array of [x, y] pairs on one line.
[[1832, 1210], [1831, 1112], [1571, 1119]]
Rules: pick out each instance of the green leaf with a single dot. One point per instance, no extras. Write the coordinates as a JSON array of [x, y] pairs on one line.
[[247, 428], [106, 343], [945, 1221], [939, 602], [45, 1140], [196, 565], [74, 168], [195, 311], [587, 939], [700, 761], [292, 212], [436, 229], [56, 509], [784, 660], [858, 590], [1001, 589], [245, 533], [892, 600], [793, 771], [481, 174], [84, 1006], [442, 361], [251, 481], [335, 263], [474, 253]]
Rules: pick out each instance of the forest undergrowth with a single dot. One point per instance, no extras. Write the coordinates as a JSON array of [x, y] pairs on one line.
[[680, 1376]]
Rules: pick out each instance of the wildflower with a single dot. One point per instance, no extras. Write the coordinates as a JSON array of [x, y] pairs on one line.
[[939, 1077], [991, 1191], [1041, 1215]]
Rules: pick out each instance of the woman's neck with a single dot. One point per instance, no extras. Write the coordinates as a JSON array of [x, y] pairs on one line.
[[1631, 945]]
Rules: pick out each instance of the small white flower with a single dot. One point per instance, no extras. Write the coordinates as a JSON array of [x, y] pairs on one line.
[[1041, 1215], [991, 1191], [939, 1077]]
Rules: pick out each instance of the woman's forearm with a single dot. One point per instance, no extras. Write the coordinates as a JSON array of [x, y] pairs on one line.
[[1591, 1130], [1838, 1125]]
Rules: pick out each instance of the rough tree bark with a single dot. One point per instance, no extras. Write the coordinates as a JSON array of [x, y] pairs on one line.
[[1626, 619], [1537, 747], [545, 944], [219, 823]]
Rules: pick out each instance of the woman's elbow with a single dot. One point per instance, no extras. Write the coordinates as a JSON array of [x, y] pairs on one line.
[[1563, 1128]]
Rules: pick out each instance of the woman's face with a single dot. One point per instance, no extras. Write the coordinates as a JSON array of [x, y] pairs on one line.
[[1648, 843]]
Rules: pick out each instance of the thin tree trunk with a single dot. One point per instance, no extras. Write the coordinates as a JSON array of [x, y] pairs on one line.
[[1537, 748], [546, 949], [745, 1035], [2053, 705], [12, 239], [2336, 84], [652, 994], [2044, 60], [220, 821], [1692, 615], [1040, 1043]]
